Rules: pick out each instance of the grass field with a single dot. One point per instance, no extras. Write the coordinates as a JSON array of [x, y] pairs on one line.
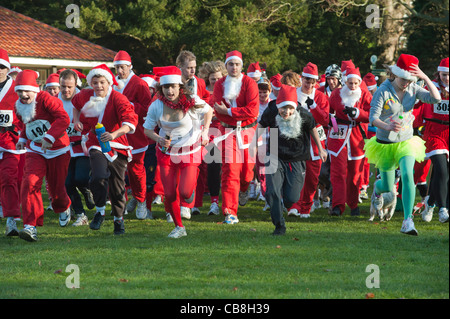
[[322, 257]]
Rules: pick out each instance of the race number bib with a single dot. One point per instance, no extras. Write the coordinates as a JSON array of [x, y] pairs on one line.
[[441, 107], [341, 133], [321, 133], [71, 131], [6, 118], [37, 129]]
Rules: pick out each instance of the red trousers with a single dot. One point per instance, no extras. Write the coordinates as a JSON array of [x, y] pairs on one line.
[[421, 171], [137, 177], [345, 177], [55, 171], [9, 185], [237, 170], [309, 187]]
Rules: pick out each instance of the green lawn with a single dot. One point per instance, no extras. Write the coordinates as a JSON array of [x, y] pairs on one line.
[[322, 257]]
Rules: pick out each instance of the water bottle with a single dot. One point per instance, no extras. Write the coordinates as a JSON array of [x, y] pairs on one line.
[[393, 136], [164, 149], [99, 130]]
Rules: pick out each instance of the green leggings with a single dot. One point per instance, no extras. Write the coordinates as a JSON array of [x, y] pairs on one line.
[[386, 183]]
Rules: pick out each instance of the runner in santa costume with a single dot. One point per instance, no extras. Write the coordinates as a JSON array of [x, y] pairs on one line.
[[254, 71], [236, 103], [52, 84], [47, 145], [394, 144], [351, 105], [9, 156], [179, 141], [104, 105], [315, 102], [138, 93], [187, 62], [437, 138], [79, 167]]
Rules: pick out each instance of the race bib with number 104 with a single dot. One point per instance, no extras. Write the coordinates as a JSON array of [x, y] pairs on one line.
[[37, 129], [6, 118], [441, 107]]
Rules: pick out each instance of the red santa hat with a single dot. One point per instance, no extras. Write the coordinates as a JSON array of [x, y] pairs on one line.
[[370, 80], [101, 70], [287, 96], [4, 59], [169, 75], [322, 80], [353, 73], [234, 55], [403, 67], [347, 65], [443, 66], [150, 79], [52, 80], [26, 81], [310, 71], [275, 81], [122, 57], [254, 70]]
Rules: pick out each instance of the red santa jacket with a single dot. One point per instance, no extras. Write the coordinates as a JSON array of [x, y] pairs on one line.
[[320, 110], [118, 111], [138, 93], [247, 102], [50, 122], [350, 132], [10, 125], [202, 92]]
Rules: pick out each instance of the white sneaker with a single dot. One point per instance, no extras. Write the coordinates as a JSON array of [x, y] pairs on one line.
[[214, 209], [293, 212], [443, 215], [131, 205], [185, 212], [169, 218], [28, 233], [49, 207], [305, 215], [266, 207], [252, 190], [141, 210], [315, 205], [427, 214], [64, 218], [326, 204], [261, 197], [11, 227], [177, 232], [195, 211], [81, 220], [408, 227], [149, 214], [157, 200], [231, 219]]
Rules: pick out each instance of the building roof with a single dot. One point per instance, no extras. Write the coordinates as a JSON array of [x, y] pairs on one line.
[[24, 37]]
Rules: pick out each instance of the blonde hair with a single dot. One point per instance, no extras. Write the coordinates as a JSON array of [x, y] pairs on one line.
[[208, 68]]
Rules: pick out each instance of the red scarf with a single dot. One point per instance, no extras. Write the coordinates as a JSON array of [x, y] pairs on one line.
[[183, 103]]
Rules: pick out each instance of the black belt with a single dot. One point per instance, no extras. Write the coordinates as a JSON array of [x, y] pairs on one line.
[[354, 123], [436, 121], [242, 127], [9, 129], [384, 142]]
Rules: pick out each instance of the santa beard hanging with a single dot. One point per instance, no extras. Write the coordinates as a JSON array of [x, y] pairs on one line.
[[232, 87], [350, 97], [26, 111], [290, 127]]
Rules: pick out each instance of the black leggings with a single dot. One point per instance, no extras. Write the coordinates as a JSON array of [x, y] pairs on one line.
[[439, 181]]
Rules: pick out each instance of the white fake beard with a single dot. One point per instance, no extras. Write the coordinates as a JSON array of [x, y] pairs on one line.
[[290, 127], [121, 83], [232, 87], [350, 97], [26, 111], [95, 106]]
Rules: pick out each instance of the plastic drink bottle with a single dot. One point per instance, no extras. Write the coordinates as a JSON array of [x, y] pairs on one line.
[[99, 130], [395, 135], [164, 149]]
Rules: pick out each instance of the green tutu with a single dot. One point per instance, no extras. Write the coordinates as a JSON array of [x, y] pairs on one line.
[[385, 157]]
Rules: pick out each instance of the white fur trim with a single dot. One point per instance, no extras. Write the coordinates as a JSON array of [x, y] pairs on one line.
[[150, 81], [284, 103], [5, 63], [402, 73], [356, 76], [26, 88], [233, 57], [254, 74], [133, 128], [442, 69], [121, 62], [51, 84], [372, 87], [308, 75], [50, 138], [170, 79], [99, 72], [275, 87]]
